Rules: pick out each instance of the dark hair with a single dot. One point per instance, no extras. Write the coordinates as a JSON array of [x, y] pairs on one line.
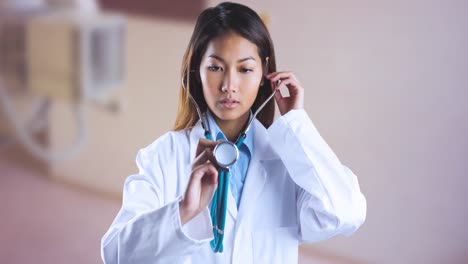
[[211, 23]]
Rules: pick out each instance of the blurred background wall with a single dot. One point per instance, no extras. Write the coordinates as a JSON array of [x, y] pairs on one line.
[[386, 85]]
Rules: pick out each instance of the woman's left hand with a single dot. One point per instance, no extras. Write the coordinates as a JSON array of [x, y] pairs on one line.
[[296, 92]]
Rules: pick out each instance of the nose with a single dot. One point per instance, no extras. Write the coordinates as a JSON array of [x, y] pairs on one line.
[[230, 83]]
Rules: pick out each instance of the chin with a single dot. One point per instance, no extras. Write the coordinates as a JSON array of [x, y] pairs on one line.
[[229, 115]]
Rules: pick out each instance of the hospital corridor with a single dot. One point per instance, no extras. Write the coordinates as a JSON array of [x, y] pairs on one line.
[[86, 84]]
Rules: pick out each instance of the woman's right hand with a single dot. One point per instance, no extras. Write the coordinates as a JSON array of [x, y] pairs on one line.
[[202, 184]]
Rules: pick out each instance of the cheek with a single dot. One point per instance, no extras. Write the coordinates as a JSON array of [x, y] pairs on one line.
[[211, 83], [252, 89], [208, 87]]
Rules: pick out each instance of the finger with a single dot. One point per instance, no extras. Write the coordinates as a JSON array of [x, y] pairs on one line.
[[281, 75], [211, 175], [291, 84], [275, 85], [201, 177], [274, 74], [206, 172], [280, 79], [203, 157], [204, 144], [278, 95]]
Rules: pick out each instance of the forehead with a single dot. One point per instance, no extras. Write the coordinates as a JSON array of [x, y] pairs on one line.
[[232, 46]]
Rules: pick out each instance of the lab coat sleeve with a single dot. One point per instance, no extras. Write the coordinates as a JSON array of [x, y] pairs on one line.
[[329, 200], [148, 231]]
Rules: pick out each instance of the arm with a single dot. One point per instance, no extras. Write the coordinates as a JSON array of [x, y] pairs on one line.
[[147, 229], [329, 201]]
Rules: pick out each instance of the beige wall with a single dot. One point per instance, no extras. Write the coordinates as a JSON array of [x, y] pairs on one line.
[[386, 86], [148, 98]]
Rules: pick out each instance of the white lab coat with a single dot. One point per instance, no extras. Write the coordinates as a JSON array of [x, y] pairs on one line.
[[296, 191]]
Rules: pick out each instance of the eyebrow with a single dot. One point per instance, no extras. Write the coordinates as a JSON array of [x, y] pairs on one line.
[[222, 60]]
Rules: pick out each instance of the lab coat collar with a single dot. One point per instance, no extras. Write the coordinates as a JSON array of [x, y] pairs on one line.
[[256, 173], [263, 149]]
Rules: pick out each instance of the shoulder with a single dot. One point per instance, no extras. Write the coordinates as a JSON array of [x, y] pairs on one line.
[[170, 147], [171, 141]]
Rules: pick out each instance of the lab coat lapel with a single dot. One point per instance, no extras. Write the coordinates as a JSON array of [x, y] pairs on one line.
[[196, 133], [232, 207], [256, 174], [255, 180]]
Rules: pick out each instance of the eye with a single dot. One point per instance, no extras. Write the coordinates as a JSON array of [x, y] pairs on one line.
[[214, 68], [246, 70]]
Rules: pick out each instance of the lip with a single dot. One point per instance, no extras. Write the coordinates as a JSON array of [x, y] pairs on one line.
[[229, 103]]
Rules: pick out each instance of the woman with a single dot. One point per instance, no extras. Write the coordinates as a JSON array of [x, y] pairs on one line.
[[287, 186]]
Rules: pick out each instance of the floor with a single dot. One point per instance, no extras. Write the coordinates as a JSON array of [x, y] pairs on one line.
[[43, 221]]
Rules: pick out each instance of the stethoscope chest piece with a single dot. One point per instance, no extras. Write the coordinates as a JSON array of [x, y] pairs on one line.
[[226, 154]]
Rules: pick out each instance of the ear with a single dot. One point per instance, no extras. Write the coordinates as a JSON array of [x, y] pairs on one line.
[[265, 69], [267, 64]]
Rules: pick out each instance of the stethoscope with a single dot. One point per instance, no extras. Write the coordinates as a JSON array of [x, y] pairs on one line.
[[226, 155]]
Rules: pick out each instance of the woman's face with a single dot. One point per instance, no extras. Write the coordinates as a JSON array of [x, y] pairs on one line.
[[231, 72]]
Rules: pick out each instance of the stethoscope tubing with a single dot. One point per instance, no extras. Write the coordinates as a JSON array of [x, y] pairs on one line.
[[219, 202]]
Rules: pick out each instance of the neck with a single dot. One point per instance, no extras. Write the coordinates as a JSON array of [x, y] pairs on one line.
[[232, 128]]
